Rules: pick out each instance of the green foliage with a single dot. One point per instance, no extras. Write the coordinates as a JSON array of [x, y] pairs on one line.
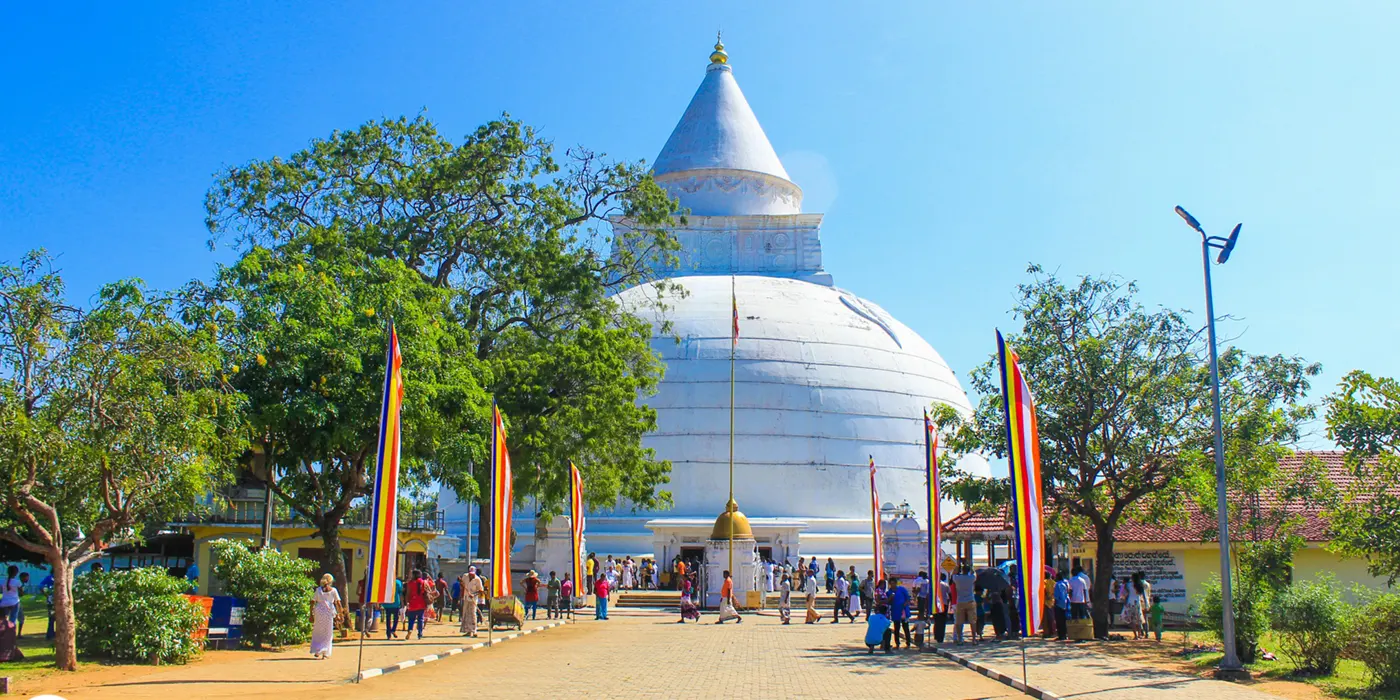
[[137, 615], [1311, 621], [1251, 602], [491, 257], [111, 417], [277, 587], [1363, 417], [1375, 639]]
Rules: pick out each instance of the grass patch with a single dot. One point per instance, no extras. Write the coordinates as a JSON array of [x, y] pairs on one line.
[[1351, 680]]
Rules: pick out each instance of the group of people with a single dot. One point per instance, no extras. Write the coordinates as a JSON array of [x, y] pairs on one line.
[[626, 574]]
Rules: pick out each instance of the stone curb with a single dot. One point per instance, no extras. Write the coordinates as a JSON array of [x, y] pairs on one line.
[[1039, 693], [376, 672]]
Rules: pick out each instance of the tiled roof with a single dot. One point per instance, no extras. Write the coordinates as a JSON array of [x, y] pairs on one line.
[[1199, 522]]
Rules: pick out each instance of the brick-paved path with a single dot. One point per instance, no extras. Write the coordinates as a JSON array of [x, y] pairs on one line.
[[639, 654], [1073, 672]]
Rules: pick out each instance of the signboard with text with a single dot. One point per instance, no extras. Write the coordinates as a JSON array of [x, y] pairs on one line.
[[1163, 569]]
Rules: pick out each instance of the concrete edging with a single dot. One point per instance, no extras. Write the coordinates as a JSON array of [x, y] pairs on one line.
[[1039, 693], [376, 672]]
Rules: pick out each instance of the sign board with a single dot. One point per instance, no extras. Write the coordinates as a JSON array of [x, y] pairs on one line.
[[1163, 569], [948, 565]]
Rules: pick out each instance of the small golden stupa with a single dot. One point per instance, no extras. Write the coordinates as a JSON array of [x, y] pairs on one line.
[[742, 531]]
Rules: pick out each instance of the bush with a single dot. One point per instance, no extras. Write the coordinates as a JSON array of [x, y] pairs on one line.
[[1311, 619], [1375, 639], [137, 615], [277, 587], [1251, 614]]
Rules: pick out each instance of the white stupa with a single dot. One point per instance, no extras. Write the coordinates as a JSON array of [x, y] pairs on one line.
[[824, 379]]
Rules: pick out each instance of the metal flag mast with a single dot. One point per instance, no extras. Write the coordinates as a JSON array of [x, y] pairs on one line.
[[733, 345]]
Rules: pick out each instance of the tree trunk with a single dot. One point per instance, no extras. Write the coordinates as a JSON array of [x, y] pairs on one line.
[[1103, 575], [65, 643], [333, 559]]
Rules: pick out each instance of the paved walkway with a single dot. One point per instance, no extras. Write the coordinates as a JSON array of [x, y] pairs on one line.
[[1073, 672], [245, 674]]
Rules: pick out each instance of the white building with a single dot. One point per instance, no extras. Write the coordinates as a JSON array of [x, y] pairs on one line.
[[825, 380]]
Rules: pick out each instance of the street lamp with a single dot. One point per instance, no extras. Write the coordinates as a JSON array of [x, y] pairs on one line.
[[1230, 667]]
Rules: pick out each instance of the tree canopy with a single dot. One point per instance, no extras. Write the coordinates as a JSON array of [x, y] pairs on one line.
[[1363, 417], [110, 417]]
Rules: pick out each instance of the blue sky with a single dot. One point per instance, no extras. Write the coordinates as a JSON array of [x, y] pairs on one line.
[[948, 144]]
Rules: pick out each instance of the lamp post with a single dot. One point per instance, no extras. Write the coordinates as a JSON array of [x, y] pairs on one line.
[[1230, 667]]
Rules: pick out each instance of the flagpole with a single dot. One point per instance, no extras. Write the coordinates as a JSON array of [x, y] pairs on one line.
[[733, 344], [932, 528], [490, 624]]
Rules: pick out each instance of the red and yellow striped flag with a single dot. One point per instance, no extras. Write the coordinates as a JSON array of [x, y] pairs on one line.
[[935, 510], [384, 525], [502, 505], [576, 527], [1023, 452]]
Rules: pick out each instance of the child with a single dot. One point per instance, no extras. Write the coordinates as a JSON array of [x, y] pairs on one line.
[[1156, 613], [877, 630]]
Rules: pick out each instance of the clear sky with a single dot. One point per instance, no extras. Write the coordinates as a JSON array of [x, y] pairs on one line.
[[949, 144]]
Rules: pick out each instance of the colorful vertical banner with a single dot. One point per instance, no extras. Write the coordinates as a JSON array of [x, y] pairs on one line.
[[877, 530], [734, 303], [384, 523], [935, 509], [576, 527], [1023, 452], [502, 506]]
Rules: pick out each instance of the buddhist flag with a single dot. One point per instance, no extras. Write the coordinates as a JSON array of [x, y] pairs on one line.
[[1023, 452], [935, 509], [576, 528], [877, 530], [384, 526], [502, 504]]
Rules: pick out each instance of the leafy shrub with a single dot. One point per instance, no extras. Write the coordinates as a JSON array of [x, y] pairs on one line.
[[136, 615], [277, 587], [1375, 639], [1311, 619], [1251, 603]]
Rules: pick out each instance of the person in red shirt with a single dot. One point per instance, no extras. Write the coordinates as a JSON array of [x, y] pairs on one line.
[[532, 595], [418, 591], [601, 589]]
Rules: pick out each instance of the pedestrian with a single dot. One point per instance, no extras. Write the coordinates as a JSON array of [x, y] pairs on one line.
[[454, 609], [843, 600], [768, 580], [877, 631], [601, 589], [785, 599], [809, 586], [627, 579], [1118, 599], [689, 610], [325, 609], [472, 589], [10, 594], [532, 595], [923, 593], [444, 600], [853, 603], [1156, 613], [19, 619], [1061, 614], [1078, 594], [419, 594], [552, 607], [942, 607], [830, 575], [391, 611], [590, 566], [867, 592], [727, 607], [1133, 607], [46, 588], [965, 607], [899, 612], [366, 613], [566, 594]]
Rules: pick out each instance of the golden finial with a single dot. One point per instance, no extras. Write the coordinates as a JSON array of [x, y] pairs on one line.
[[719, 56]]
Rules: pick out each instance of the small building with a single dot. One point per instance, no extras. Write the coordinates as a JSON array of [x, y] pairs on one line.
[[239, 514], [1179, 559]]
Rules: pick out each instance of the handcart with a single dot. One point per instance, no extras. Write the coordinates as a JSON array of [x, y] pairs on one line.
[[507, 611]]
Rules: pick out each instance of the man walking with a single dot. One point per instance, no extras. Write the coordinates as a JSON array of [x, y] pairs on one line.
[[472, 589], [1079, 594], [1061, 618], [899, 613]]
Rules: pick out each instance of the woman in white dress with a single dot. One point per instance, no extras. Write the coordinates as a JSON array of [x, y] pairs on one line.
[[325, 606], [853, 606], [627, 574]]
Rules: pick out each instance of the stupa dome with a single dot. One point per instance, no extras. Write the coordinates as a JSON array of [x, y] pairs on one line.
[[742, 529]]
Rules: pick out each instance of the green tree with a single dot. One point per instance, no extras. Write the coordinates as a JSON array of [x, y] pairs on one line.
[[1363, 417], [110, 417], [276, 587], [517, 245], [1122, 405]]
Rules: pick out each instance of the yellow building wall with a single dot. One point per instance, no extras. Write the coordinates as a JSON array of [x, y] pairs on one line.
[[1201, 561], [293, 540]]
